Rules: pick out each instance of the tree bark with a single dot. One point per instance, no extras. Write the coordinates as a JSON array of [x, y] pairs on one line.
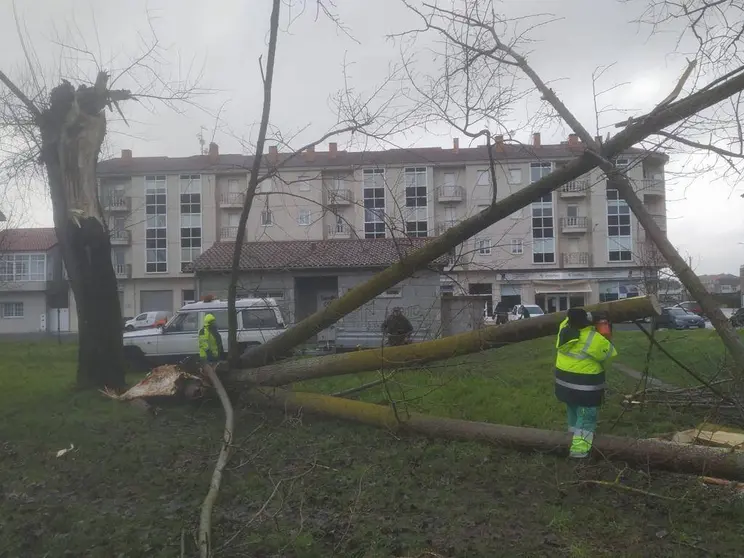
[[73, 128], [696, 460], [416, 354], [632, 134]]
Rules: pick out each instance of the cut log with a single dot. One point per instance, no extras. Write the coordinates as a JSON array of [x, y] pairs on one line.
[[413, 355], [696, 460]]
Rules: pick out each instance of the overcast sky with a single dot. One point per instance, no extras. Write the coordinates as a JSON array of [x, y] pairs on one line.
[[220, 42]]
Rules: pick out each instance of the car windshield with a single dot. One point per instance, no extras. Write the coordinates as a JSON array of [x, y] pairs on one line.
[[533, 310], [678, 312]]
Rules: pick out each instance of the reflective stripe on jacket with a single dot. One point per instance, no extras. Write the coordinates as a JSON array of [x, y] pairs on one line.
[[580, 365], [208, 344]]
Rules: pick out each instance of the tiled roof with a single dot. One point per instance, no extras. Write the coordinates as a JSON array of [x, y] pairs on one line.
[[311, 254], [342, 159], [27, 240]]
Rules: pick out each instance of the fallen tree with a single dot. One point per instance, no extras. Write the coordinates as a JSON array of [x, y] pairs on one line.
[[408, 356], [696, 460]]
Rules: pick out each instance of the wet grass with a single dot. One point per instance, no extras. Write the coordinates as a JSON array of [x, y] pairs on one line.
[[300, 486]]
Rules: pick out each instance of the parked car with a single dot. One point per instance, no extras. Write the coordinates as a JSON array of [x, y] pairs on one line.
[[147, 320], [691, 306], [737, 318], [677, 318], [259, 319], [533, 310]]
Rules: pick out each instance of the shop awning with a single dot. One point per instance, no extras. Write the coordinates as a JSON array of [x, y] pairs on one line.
[[562, 287]]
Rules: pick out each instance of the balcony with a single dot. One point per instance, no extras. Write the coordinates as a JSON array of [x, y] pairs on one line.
[[576, 259], [339, 230], [450, 194], [340, 197], [575, 189], [651, 187], [117, 204], [121, 237], [228, 233], [123, 271], [444, 226], [232, 200], [574, 225]]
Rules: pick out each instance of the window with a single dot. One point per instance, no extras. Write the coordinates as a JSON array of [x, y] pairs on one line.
[[572, 210], [543, 238], [22, 267], [483, 190], [622, 163], [191, 225], [391, 293], [265, 186], [304, 183], [156, 236], [259, 318], [517, 246], [538, 170], [188, 321], [303, 217], [188, 296], [267, 218], [483, 246], [449, 179], [276, 295], [514, 176], [447, 289], [619, 239], [12, 309], [417, 228], [220, 318], [416, 216], [374, 203]]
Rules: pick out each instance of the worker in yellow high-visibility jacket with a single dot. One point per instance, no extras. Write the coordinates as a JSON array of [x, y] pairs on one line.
[[210, 341], [583, 356]]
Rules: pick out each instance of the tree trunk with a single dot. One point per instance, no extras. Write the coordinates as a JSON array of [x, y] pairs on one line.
[[696, 460], [632, 134], [686, 275], [409, 356], [73, 128]]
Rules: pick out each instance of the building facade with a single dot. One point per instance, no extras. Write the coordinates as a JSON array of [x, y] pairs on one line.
[[34, 293], [578, 245]]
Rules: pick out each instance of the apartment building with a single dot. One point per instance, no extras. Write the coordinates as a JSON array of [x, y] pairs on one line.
[[34, 293], [579, 245]]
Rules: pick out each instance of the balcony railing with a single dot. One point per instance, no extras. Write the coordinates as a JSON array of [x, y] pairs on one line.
[[123, 271], [340, 197], [121, 237], [339, 230], [576, 259], [574, 224], [444, 226], [450, 194], [651, 187], [228, 233], [575, 188], [116, 204], [232, 199]]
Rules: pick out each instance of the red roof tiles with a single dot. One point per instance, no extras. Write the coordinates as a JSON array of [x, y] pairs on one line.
[[27, 240], [311, 254]]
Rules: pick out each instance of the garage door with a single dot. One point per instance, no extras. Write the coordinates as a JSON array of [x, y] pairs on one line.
[[151, 301]]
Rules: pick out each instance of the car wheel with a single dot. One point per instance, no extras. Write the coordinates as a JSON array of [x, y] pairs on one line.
[[129, 328]]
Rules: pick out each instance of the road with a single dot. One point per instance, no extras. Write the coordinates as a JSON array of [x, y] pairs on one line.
[[728, 312]]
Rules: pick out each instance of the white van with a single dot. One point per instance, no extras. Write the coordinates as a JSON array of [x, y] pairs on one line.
[[259, 319]]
